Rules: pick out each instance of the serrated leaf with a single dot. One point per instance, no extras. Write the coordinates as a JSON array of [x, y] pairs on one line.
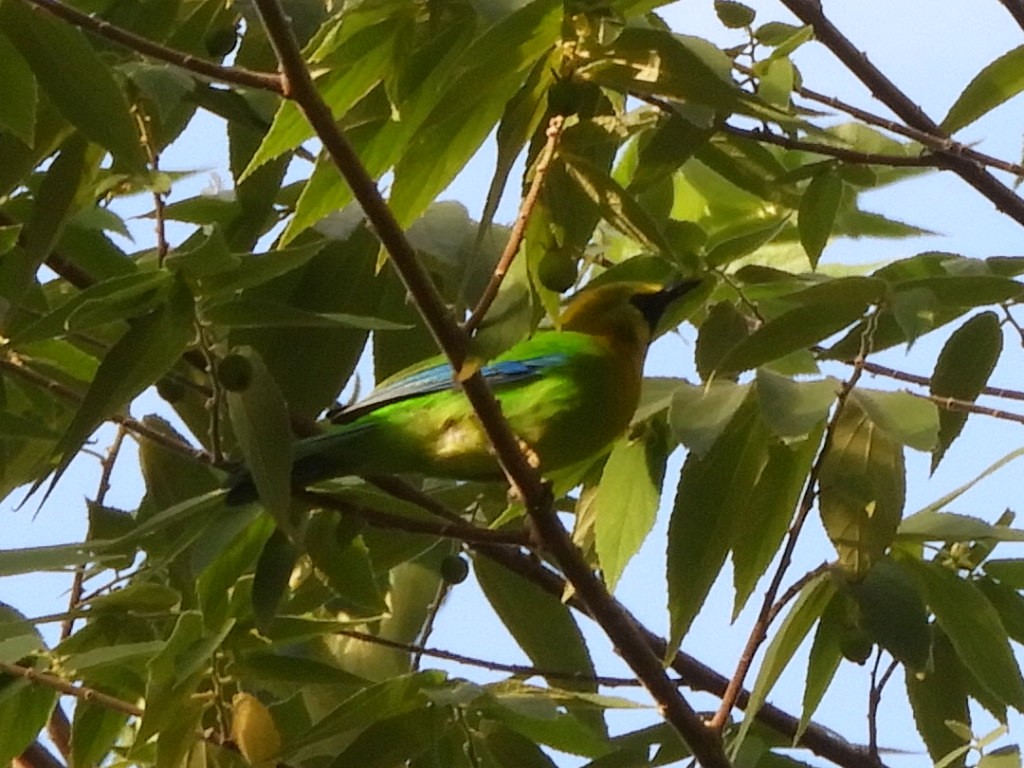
[[722, 329], [932, 525], [818, 207], [541, 624], [807, 609], [627, 499], [965, 363], [974, 629], [793, 408], [698, 415], [146, 351], [617, 205], [823, 659], [734, 15], [714, 490], [259, 417], [939, 696], [820, 312], [770, 508], [998, 82], [25, 709], [101, 111], [1008, 571], [903, 417], [862, 489], [892, 613]]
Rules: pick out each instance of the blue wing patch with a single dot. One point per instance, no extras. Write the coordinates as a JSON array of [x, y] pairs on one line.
[[440, 378]]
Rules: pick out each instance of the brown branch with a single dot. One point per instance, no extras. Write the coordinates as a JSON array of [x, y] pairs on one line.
[[461, 531], [692, 672], [515, 237], [759, 632], [840, 153], [965, 406], [883, 89], [453, 342], [58, 728], [1015, 9], [246, 78], [17, 367], [70, 689], [36, 756], [519, 670], [875, 699]]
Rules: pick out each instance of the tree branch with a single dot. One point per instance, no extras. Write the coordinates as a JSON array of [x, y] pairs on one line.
[[705, 744], [70, 689], [883, 89], [246, 78]]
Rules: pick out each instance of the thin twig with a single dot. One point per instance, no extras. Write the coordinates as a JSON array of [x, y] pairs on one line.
[[1016, 9], [36, 756], [759, 631], [264, 81], [460, 531], [882, 88], [518, 670], [70, 689], [16, 366], [965, 406], [875, 699], [515, 237], [453, 342], [840, 153], [794, 589]]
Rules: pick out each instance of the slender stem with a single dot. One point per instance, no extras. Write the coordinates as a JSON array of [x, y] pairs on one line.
[[246, 78], [70, 689], [1016, 9], [759, 631], [882, 88], [36, 756], [515, 237], [840, 153]]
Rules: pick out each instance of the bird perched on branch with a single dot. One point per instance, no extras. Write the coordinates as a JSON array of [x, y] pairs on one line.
[[567, 394]]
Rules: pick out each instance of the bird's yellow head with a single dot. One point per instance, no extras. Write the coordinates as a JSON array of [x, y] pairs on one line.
[[625, 313]]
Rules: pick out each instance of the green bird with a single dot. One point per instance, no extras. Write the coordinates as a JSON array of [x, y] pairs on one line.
[[567, 394]]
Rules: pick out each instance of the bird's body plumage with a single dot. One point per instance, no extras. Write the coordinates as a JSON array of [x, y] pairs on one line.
[[567, 394]]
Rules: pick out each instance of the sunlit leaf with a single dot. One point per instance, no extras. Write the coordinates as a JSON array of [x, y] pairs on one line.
[[998, 82]]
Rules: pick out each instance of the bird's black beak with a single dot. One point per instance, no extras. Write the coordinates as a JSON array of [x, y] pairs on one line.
[[653, 305]]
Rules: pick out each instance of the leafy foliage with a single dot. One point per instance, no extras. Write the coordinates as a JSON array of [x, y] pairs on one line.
[[291, 631]]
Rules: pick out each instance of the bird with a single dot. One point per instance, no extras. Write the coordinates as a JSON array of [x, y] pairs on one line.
[[567, 393]]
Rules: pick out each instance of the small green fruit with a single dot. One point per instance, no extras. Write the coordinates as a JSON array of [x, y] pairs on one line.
[[170, 390], [221, 41], [557, 270], [234, 373], [454, 569]]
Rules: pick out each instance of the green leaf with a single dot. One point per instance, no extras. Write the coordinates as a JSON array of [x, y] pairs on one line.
[[1009, 571], [892, 613], [145, 352], [347, 75], [998, 82], [823, 659], [962, 371], [270, 580], [394, 740], [769, 511], [464, 114], [656, 62], [627, 498], [792, 409], [617, 205], [931, 525], [714, 491], [903, 417], [94, 730], [101, 111], [259, 417], [344, 561], [541, 624], [862, 489], [806, 610], [25, 709], [746, 243], [939, 696], [734, 15], [974, 629], [818, 207], [821, 311], [257, 313], [698, 415], [722, 329], [18, 94]]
